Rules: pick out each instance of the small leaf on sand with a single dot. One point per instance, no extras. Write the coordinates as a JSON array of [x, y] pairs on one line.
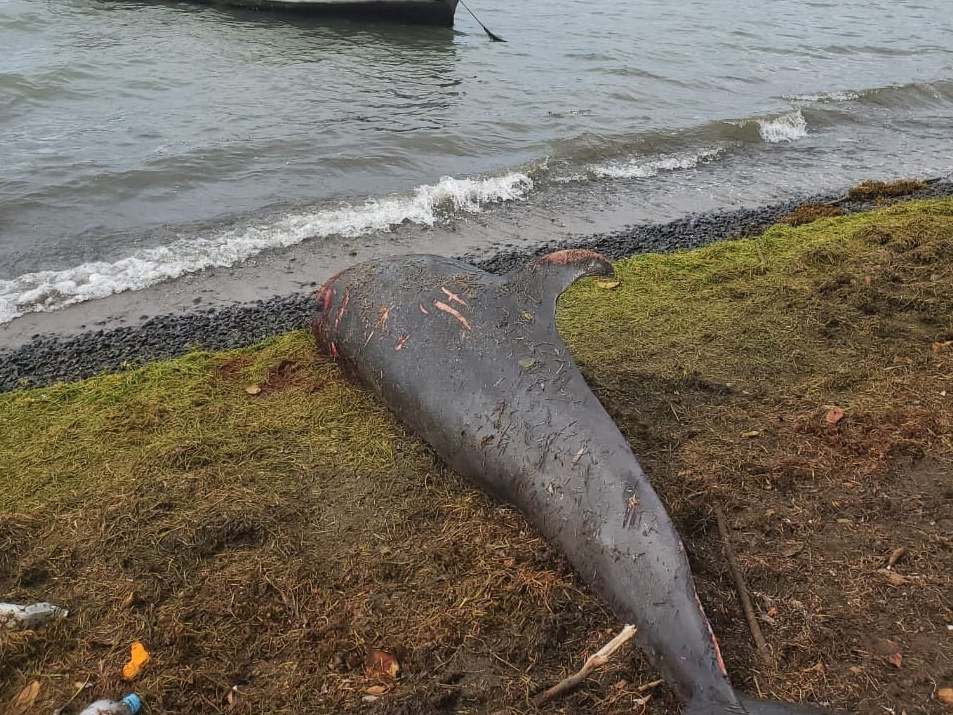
[[381, 663], [940, 346], [376, 690], [751, 433], [895, 659], [253, 389], [896, 579], [25, 699], [834, 415], [945, 695], [527, 363], [608, 285], [138, 657]]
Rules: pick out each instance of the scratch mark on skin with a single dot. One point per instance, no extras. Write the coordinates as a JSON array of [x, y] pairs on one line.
[[424, 310], [334, 351], [451, 311], [454, 298], [631, 504], [400, 343], [369, 336], [327, 295], [575, 460], [347, 297], [714, 640], [382, 318]]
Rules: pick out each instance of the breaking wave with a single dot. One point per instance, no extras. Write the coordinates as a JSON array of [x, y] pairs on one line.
[[786, 128], [428, 205], [640, 168]]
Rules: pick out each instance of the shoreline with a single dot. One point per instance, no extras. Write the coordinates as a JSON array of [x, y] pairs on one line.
[[53, 357]]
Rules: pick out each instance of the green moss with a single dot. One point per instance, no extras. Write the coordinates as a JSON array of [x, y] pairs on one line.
[[737, 311], [760, 309], [75, 442]]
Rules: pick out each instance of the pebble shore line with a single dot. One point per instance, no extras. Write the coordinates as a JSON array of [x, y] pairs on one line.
[[51, 358]]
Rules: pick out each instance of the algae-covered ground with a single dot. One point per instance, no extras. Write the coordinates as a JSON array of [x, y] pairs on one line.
[[261, 525]]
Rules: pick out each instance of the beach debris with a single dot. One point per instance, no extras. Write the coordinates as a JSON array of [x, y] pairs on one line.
[[596, 660], [889, 650], [751, 434], [253, 389], [379, 663], [834, 414], [808, 213], [138, 657], [79, 688], [870, 190], [945, 696], [17, 617], [23, 701], [608, 285], [740, 587], [129, 705], [234, 698], [895, 579], [941, 345], [895, 556]]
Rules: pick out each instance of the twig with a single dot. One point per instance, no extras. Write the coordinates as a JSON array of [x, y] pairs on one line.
[[596, 660], [760, 643]]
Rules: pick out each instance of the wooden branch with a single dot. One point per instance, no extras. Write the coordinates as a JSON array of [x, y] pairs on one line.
[[596, 660], [760, 643]]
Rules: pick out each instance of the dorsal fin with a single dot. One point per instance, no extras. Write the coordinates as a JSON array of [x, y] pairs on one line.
[[545, 278]]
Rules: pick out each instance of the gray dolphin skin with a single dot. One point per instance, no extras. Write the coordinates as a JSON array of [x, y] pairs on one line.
[[473, 363]]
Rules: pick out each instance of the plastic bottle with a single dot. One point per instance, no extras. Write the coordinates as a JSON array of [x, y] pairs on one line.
[[14, 617], [129, 705]]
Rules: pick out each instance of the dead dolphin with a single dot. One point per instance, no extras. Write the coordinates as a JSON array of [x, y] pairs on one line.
[[474, 364]]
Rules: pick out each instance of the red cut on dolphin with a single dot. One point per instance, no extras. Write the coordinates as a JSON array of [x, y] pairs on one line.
[[474, 364]]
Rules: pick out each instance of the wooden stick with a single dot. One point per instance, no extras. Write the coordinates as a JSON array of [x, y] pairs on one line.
[[760, 643], [596, 660]]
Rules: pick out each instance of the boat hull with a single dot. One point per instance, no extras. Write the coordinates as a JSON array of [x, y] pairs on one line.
[[427, 12]]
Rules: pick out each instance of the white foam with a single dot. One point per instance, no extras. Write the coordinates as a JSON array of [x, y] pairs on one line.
[[786, 128], [640, 168], [52, 290]]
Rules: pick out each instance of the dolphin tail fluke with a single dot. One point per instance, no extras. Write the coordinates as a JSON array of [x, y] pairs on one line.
[[751, 706], [545, 278]]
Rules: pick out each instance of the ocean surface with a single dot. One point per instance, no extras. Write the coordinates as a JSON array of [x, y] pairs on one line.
[[145, 141]]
